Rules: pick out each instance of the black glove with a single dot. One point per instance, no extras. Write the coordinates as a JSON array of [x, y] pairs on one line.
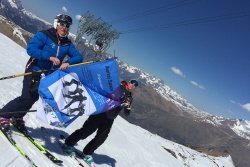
[[127, 110], [122, 99], [128, 107], [125, 99], [35, 81]]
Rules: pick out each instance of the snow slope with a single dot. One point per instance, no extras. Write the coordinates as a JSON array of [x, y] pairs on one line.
[[127, 145]]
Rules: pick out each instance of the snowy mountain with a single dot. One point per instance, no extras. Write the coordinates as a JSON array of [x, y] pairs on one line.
[[127, 144], [240, 126], [204, 129], [14, 11]]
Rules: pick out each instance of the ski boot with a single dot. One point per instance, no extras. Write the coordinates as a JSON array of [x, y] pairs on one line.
[[20, 124], [88, 159], [5, 125], [68, 149]]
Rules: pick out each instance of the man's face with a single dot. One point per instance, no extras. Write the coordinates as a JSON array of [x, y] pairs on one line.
[[62, 28], [131, 87]]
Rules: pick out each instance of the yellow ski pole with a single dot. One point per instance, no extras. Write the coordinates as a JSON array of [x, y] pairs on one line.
[[28, 73]]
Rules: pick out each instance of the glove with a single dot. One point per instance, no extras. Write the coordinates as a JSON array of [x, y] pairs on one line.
[[35, 81], [124, 104], [122, 99], [127, 109]]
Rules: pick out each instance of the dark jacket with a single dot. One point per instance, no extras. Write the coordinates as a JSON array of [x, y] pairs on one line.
[[125, 96], [45, 44]]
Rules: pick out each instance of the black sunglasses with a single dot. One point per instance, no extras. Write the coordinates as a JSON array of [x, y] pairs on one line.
[[134, 82], [63, 24]]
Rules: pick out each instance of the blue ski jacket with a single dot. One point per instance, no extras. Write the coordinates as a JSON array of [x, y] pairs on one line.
[[46, 44]]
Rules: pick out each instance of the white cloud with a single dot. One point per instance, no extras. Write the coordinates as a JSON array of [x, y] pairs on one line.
[[64, 9], [78, 17], [246, 106], [230, 111], [177, 71], [202, 87], [232, 101], [196, 84]]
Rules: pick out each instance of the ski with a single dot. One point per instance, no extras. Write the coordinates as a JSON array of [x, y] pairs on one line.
[[12, 141], [38, 146], [60, 145], [78, 153], [74, 157]]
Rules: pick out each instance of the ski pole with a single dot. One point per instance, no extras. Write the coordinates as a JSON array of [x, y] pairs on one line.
[[15, 112], [28, 73]]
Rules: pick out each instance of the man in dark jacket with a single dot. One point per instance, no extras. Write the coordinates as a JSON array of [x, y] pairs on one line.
[[46, 49], [100, 122]]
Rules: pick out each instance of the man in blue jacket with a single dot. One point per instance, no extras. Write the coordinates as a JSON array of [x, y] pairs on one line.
[[46, 49]]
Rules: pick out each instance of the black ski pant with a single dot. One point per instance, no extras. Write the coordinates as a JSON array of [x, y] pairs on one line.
[[23, 102], [97, 122]]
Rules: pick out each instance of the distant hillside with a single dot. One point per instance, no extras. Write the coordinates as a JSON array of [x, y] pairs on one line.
[[15, 12], [14, 32], [198, 130]]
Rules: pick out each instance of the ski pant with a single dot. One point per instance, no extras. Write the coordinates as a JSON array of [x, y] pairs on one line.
[[23, 102], [97, 122]]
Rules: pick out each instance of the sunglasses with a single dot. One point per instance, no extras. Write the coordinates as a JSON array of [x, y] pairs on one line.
[[134, 82], [63, 24]]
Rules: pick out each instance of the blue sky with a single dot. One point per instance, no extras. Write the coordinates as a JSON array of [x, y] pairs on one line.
[[203, 53]]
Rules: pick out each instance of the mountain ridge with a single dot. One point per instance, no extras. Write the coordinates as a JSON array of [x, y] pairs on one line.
[[171, 95]]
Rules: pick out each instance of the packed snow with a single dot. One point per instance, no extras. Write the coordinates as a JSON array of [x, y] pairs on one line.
[[127, 144]]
